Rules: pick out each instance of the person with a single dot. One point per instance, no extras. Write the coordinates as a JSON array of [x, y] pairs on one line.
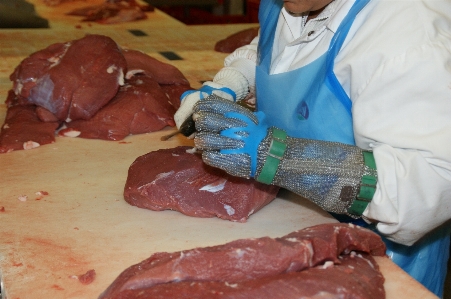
[[353, 103]]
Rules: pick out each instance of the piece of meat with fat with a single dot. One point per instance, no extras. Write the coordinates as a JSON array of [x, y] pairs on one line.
[[161, 72], [140, 106], [113, 11], [356, 277], [261, 266], [22, 129], [71, 80], [174, 179], [236, 40]]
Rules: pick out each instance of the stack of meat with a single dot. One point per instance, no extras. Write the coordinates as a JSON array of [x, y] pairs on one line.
[[324, 261], [93, 88]]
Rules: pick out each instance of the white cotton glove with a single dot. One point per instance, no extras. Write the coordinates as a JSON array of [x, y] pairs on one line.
[[228, 84]]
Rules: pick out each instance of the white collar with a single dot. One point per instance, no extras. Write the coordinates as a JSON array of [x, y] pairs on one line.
[[330, 17]]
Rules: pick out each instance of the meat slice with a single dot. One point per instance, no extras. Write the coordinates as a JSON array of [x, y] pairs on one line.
[[22, 128], [71, 80], [262, 267], [113, 11], [140, 106], [177, 180], [161, 72], [356, 277], [236, 40]]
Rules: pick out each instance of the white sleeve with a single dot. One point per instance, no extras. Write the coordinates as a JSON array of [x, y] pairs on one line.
[[244, 60], [404, 114]]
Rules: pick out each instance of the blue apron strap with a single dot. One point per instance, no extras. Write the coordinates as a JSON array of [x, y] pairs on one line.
[[335, 46], [268, 15]]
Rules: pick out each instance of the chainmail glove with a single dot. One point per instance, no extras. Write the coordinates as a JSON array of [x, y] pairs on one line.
[[340, 178], [229, 135]]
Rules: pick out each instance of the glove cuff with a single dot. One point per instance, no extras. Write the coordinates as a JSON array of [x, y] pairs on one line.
[[276, 152], [234, 80], [367, 186]]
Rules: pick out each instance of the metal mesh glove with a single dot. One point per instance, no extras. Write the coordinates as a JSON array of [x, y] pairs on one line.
[[339, 178]]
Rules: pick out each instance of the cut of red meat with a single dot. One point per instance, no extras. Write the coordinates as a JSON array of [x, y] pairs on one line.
[[22, 126], [177, 180], [78, 83], [236, 40], [72, 80], [306, 263], [140, 106], [355, 277], [161, 72], [113, 11]]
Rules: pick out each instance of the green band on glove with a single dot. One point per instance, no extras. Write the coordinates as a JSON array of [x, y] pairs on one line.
[[367, 187], [276, 152]]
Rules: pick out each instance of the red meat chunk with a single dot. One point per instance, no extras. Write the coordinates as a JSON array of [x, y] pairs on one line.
[[236, 40], [22, 128], [71, 80], [328, 259], [177, 180], [140, 106], [161, 72]]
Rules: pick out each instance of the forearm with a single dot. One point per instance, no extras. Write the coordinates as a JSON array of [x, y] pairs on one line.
[[327, 173], [413, 195], [244, 60]]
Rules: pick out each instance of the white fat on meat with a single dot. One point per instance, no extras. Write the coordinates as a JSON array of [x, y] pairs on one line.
[[120, 78], [111, 69], [230, 211], [215, 187], [131, 73], [191, 151], [30, 145], [231, 285], [55, 60], [158, 177], [328, 264], [72, 133]]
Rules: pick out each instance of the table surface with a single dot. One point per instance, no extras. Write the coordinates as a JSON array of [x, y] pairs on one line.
[[84, 223]]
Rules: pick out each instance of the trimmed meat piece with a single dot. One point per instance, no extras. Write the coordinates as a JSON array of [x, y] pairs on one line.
[[177, 180], [355, 277], [260, 266], [113, 11], [22, 128], [161, 72], [140, 106], [71, 80], [236, 40]]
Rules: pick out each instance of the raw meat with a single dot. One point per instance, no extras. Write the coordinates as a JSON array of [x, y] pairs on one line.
[[236, 40], [140, 106], [177, 180], [78, 85], [113, 11], [161, 72], [323, 261], [22, 128], [71, 80], [57, 2]]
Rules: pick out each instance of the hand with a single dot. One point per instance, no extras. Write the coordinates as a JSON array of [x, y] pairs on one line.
[[191, 97], [229, 135]]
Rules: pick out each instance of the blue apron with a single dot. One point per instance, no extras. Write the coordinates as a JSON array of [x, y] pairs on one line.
[[309, 102]]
